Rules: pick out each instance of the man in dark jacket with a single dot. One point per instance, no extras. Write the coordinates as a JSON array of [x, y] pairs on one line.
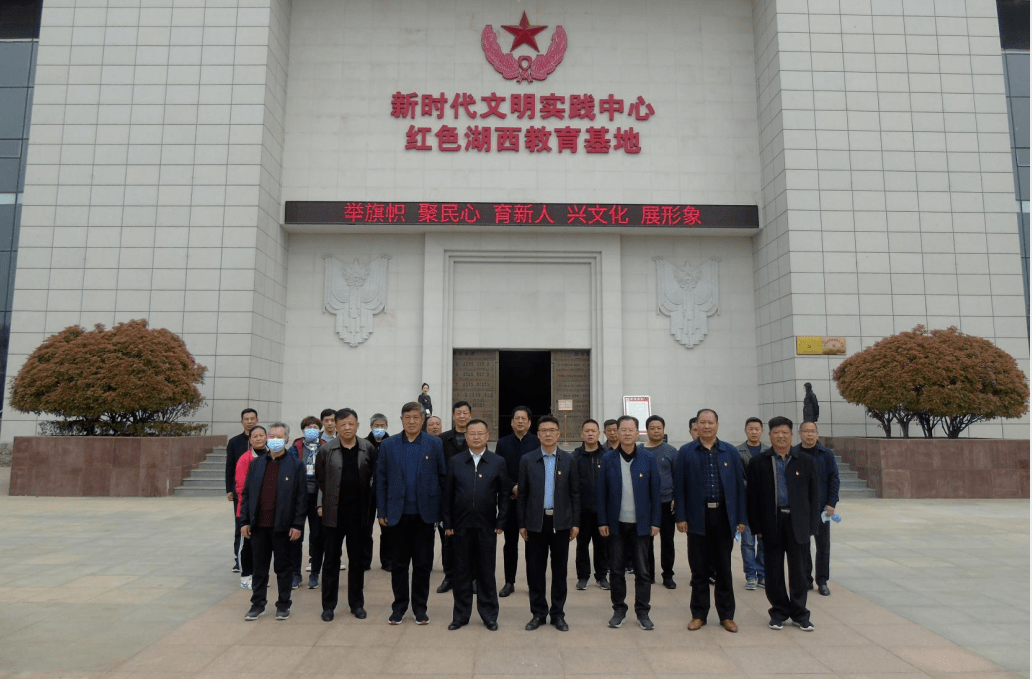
[[752, 549], [307, 447], [811, 409], [628, 500], [666, 457], [589, 464], [272, 513], [548, 506], [235, 447], [377, 433], [827, 499], [784, 511], [409, 475], [344, 470], [710, 506], [453, 442], [512, 448], [473, 509]]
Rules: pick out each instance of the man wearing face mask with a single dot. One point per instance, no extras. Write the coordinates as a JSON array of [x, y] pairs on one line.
[[377, 433], [272, 513], [256, 446], [307, 448], [345, 473]]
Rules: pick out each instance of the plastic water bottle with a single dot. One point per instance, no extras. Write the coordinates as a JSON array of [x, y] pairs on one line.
[[834, 517]]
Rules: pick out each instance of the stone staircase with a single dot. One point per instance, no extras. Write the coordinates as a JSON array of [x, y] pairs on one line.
[[851, 486], [209, 479]]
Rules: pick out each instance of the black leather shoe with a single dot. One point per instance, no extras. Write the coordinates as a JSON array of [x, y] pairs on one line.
[[534, 623], [359, 613], [445, 586], [493, 626], [327, 616], [823, 590], [455, 624], [507, 590], [559, 622], [669, 583]]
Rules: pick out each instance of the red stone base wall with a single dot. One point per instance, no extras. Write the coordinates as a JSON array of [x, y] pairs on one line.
[[939, 468], [76, 466]]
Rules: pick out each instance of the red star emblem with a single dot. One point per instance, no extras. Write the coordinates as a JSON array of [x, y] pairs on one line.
[[524, 34]]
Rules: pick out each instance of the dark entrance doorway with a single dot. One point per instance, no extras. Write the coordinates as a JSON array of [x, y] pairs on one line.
[[524, 378]]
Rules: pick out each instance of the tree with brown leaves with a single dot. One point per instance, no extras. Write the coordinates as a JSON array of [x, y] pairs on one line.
[[936, 377], [130, 380]]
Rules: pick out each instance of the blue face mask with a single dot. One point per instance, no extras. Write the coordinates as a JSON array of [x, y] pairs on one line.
[[379, 433], [276, 445], [311, 434]]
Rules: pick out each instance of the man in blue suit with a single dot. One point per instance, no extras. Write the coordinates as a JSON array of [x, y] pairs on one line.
[[629, 514], [409, 476], [709, 504]]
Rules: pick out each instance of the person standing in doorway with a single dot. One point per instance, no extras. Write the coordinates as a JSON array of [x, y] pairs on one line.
[[512, 448]]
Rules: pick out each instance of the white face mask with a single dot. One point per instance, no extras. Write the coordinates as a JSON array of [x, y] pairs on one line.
[[276, 445], [311, 434]]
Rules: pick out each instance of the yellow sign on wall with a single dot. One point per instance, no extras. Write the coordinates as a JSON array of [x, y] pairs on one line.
[[820, 346]]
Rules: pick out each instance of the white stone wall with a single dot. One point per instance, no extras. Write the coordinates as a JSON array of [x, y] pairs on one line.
[[691, 60], [888, 197], [152, 188]]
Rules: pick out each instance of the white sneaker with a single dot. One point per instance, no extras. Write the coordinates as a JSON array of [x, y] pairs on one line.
[[308, 568], [245, 583]]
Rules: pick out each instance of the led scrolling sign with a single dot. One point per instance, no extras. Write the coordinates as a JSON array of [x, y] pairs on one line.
[[525, 214]]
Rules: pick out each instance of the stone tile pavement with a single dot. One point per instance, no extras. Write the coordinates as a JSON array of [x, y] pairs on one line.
[[120, 588]]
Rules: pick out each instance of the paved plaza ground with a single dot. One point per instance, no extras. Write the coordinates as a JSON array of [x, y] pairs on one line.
[[106, 587]]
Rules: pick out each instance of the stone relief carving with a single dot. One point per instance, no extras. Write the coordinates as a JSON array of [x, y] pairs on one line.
[[355, 293], [688, 296]]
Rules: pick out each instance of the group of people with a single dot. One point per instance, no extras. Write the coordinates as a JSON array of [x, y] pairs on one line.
[[611, 495]]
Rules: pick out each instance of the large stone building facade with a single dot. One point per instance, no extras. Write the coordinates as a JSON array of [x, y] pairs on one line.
[[186, 158]]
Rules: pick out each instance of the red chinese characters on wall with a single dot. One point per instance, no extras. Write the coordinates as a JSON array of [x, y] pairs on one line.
[[547, 137], [573, 214]]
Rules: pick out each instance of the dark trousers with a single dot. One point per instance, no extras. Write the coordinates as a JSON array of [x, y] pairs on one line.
[[236, 533], [667, 528], [777, 549], [447, 554], [351, 533], [511, 547], [822, 544], [711, 553], [625, 538], [245, 558], [385, 547], [589, 534], [267, 545], [315, 539], [541, 545], [475, 559], [412, 541], [367, 540]]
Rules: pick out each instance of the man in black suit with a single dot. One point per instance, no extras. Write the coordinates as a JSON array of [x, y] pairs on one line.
[[784, 511], [473, 510], [548, 506], [512, 448], [235, 447], [453, 442]]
